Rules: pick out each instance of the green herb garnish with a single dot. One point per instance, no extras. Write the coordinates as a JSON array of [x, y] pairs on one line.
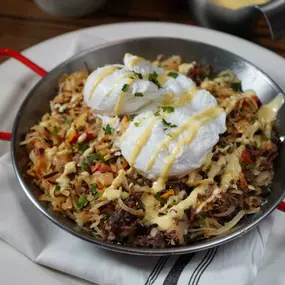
[[108, 130], [84, 147], [93, 188], [173, 74], [168, 109], [125, 87], [82, 202], [93, 156], [136, 124], [250, 166], [139, 75], [84, 165], [153, 78], [253, 118], [170, 135], [106, 216], [68, 122], [157, 113], [201, 220], [167, 124], [158, 198], [55, 130], [130, 117], [237, 87], [138, 94], [57, 188]]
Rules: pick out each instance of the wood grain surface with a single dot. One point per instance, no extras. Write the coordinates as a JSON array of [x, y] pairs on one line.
[[23, 24]]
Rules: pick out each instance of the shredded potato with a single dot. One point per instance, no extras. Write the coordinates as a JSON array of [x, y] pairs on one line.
[[74, 161]]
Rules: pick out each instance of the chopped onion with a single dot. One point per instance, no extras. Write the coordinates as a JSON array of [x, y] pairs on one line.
[[227, 226], [130, 210], [226, 213]]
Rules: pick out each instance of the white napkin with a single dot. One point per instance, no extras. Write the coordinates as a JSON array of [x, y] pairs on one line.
[[23, 227]]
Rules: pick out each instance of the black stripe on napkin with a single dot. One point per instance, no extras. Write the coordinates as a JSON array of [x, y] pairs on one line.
[[197, 269], [208, 258], [156, 270], [207, 265], [175, 272]]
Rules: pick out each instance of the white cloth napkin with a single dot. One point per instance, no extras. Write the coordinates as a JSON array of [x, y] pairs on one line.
[[23, 227]]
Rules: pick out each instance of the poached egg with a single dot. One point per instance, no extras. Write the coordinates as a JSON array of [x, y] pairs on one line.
[[176, 123]]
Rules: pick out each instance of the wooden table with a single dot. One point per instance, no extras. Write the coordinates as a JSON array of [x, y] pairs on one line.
[[23, 24]]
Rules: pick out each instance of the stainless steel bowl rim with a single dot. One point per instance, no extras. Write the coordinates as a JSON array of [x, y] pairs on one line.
[[119, 247]]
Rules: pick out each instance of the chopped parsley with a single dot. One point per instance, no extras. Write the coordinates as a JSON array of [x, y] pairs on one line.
[[130, 117], [93, 188], [136, 124], [153, 78], [126, 87], [68, 122], [170, 135], [173, 74], [237, 87], [139, 75], [106, 216], [158, 198], [84, 165], [108, 130], [253, 118], [138, 94], [157, 113], [167, 124], [84, 147], [57, 188], [168, 109], [201, 220], [250, 166], [55, 130], [93, 156], [82, 202]]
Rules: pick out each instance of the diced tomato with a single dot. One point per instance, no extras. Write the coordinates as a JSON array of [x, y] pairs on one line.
[[76, 137], [105, 168], [101, 168], [246, 157]]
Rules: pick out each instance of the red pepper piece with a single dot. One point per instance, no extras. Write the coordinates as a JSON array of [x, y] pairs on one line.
[[246, 157]]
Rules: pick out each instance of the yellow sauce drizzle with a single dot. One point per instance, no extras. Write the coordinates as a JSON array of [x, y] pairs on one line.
[[167, 99], [163, 78], [135, 60], [166, 222], [100, 78], [238, 4], [185, 97], [112, 192], [232, 172], [121, 97], [142, 140], [193, 127], [268, 112], [118, 81]]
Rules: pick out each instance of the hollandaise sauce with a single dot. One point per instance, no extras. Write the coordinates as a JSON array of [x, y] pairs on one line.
[[238, 4]]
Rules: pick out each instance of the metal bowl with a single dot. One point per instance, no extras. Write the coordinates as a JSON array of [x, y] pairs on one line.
[[37, 103]]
